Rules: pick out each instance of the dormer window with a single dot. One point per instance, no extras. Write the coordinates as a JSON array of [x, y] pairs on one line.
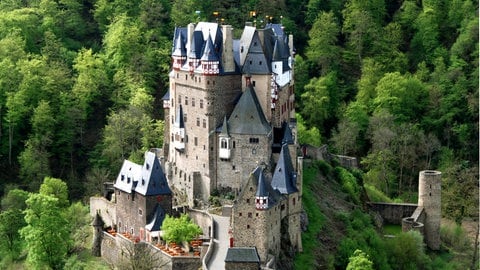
[[148, 166]]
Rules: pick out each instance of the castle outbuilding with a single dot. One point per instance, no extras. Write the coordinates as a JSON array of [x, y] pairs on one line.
[[143, 193]]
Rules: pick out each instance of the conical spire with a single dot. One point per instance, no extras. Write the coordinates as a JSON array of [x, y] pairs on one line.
[[209, 51], [224, 131], [179, 118], [284, 178], [180, 49], [261, 187]]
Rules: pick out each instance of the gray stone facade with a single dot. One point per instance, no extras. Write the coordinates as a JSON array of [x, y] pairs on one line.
[[230, 112]]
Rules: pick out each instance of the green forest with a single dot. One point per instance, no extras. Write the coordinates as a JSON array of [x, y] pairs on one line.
[[393, 83]]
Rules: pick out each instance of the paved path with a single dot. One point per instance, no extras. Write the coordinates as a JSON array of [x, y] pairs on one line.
[[222, 241]]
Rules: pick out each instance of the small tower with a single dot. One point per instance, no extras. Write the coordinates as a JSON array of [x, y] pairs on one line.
[[224, 141], [209, 62], [261, 196], [97, 235], [179, 55], [179, 130], [429, 197]]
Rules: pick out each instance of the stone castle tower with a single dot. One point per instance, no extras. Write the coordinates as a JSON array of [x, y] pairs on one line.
[[429, 197], [228, 106], [230, 127]]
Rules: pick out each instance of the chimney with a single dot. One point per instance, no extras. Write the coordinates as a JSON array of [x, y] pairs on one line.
[[227, 53], [190, 30]]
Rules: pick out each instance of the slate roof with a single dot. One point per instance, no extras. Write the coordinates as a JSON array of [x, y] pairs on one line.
[[166, 96], [209, 53], [156, 221], [256, 61], [261, 186], [153, 181], [179, 48], [284, 177], [128, 177], [264, 187], [180, 32], [242, 254], [224, 132], [147, 180], [247, 116], [287, 134]]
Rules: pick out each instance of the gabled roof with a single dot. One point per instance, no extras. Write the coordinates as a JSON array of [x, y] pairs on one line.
[[155, 223], [244, 42], [147, 180], [284, 177], [242, 254], [153, 181], [256, 61], [128, 177], [179, 117], [276, 28], [247, 116]]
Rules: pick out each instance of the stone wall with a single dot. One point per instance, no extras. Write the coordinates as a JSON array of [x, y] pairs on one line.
[[114, 251], [259, 228], [245, 158], [105, 208], [241, 266], [393, 213]]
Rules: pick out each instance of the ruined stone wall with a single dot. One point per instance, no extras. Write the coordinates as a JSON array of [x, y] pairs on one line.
[[105, 208], [393, 213]]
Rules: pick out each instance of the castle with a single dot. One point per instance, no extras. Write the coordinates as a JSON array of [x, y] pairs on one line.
[[229, 129]]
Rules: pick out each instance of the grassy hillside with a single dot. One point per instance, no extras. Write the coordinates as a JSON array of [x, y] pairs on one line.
[[338, 224]]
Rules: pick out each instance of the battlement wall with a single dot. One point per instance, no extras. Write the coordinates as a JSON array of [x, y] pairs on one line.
[[393, 213]]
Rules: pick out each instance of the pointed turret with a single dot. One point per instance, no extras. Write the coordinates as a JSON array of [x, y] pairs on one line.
[[179, 130], [224, 141], [284, 178], [210, 61], [179, 54], [261, 196]]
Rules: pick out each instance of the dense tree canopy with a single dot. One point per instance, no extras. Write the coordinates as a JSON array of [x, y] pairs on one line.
[[394, 83]]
